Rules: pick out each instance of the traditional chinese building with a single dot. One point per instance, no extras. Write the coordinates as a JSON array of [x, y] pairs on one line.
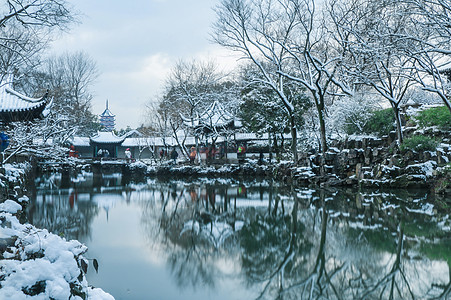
[[214, 121], [107, 119], [15, 106], [106, 144]]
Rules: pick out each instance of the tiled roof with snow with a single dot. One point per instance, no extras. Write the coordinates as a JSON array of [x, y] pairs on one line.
[[12, 101], [214, 116], [106, 137], [133, 133], [80, 141]]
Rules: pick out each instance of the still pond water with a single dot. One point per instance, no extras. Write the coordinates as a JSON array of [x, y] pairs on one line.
[[230, 239]]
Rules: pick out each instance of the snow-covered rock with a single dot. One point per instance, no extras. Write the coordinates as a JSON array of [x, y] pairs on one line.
[[37, 264], [10, 206]]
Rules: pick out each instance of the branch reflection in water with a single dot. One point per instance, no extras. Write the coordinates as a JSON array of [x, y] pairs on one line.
[[279, 242]]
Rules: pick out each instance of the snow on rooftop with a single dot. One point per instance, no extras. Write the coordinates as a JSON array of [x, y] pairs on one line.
[[80, 141], [104, 137], [11, 100]]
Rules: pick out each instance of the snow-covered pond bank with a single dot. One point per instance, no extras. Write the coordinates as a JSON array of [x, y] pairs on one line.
[[34, 263], [231, 239]]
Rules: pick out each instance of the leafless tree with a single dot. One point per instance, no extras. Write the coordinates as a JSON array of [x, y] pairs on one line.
[[25, 29], [377, 57], [287, 40], [19, 49], [317, 58], [430, 46], [158, 118], [73, 73], [258, 30], [191, 83], [191, 88], [48, 13], [68, 77]]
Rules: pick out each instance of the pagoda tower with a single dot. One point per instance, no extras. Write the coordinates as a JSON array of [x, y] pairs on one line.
[[107, 119]]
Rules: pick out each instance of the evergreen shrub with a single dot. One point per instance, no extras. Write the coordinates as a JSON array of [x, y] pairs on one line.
[[419, 143], [381, 122], [436, 116]]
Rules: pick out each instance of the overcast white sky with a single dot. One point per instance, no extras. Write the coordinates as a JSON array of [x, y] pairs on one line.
[[135, 43]]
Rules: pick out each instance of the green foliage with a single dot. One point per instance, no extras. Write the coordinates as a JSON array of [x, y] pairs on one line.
[[420, 227], [381, 122], [419, 143], [436, 116]]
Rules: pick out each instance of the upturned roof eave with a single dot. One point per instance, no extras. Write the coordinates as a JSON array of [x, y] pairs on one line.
[[35, 103], [25, 98], [102, 138]]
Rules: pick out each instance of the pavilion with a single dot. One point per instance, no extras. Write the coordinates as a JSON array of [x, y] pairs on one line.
[[107, 142], [213, 122]]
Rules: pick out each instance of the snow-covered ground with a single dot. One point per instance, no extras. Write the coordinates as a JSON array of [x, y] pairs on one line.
[[36, 264]]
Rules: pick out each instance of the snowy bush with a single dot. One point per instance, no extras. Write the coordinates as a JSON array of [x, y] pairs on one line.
[[351, 114], [421, 96]]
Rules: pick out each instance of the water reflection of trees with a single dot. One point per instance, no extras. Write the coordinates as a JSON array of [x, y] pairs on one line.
[[299, 244], [334, 268], [286, 266], [197, 225]]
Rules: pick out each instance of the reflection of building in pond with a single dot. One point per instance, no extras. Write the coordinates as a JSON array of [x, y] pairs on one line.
[[314, 243], [80, 181], [66, 212], [224, 198]]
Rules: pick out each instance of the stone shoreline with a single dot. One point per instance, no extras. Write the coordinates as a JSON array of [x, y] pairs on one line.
[[358, 161], [426, 175]]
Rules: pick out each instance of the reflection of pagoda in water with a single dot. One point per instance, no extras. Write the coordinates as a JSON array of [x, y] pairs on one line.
[[107, 119]]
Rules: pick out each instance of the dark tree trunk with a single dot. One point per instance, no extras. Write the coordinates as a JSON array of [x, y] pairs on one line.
[[399, 133], [294, 140], [322, 124]]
